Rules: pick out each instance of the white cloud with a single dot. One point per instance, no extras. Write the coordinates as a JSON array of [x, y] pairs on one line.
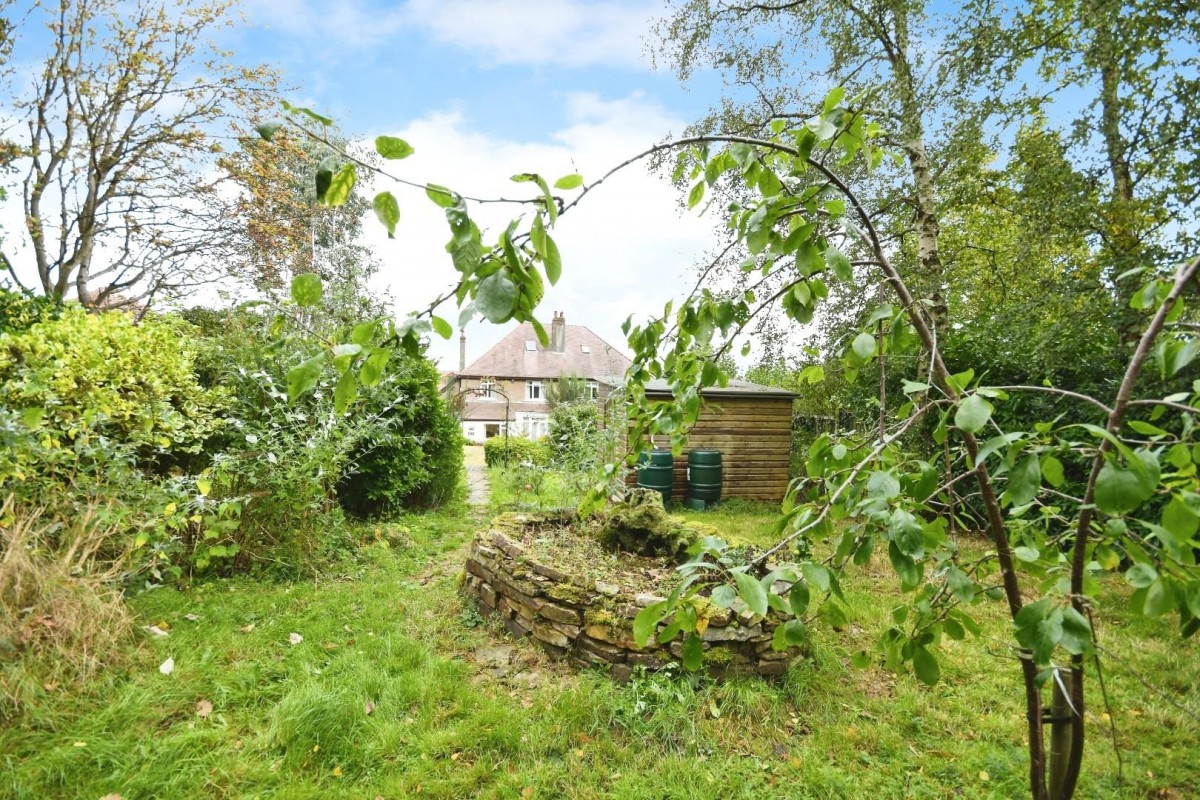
[[565, 32], [573, 33], [627, 248]]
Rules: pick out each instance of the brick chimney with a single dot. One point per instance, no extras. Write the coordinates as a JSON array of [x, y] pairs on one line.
[[558, 333], [462, 349]]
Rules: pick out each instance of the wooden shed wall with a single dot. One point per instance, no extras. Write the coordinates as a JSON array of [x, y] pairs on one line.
[[754, 435]]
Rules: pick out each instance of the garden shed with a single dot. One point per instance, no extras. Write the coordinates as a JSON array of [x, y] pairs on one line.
[[751, 425]]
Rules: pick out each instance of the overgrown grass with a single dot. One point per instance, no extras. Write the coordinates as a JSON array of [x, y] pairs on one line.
[[382, 697]]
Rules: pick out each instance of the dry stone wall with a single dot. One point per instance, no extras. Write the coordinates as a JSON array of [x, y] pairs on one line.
[[591, 622]]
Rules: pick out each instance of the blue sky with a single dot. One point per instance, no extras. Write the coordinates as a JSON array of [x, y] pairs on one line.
[[484, 89]]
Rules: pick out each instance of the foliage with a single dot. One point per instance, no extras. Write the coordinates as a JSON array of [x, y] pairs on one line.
[[867, 492], [567, 390], [574, 434], [119, 131], [19, 310], [502, 450], [415, 459], [87, 385]]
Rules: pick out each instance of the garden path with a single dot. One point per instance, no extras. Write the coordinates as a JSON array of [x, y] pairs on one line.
[[477, 482]]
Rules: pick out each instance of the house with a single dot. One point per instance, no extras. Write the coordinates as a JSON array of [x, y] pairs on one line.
[[505, 388], [750, 424]]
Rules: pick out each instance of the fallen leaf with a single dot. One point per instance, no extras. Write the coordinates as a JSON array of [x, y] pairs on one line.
[[368, 707], [527, 792], [167, 667], [164, 625], [191, 617], [983, 776], [295, 638], [81, 744], [112, 796], [455, 756], [337, 772], [316, 747], [247, 628], [154, 630], [203, 708]]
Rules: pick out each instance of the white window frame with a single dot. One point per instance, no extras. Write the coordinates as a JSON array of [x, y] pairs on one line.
[[486, 387], [593, 390], [535, 390]]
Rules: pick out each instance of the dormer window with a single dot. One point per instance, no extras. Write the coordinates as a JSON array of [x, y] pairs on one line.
[[530, 346], [583, 348]]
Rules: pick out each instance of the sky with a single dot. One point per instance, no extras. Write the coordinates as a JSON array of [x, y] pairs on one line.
[[486, 89]]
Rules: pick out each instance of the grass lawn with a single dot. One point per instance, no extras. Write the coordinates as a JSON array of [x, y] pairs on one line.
[[387, 695]]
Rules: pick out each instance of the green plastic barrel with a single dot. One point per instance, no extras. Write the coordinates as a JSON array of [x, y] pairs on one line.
[[656, 470], [704, 476]]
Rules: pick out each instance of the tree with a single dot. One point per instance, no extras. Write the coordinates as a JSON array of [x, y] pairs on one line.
[[120, 122], [288, 231]]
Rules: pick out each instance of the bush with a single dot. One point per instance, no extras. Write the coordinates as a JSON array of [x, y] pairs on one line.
[[574, 434], [499, 451], [415, 458]]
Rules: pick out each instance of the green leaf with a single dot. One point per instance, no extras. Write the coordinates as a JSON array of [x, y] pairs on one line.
[[551, 259], [815, 575], [341, 186], [388, 211], [1024, 480], [303, 378], [1140, 576], [267, 130], [863, 346], [696, 194], [1026, 554], [1178, 355], [440, 195], [1076, 632], [442, 327], [789, 634], [567, 182], [798, 598], [495, 297], [1052, 471], [693, 652], [1159, 598], [1120, 489], [861, 660], [307, 289], [724, 596], [973, 413], [883, 485], [926, 666], [647, 620], [345, 391], [838, 264], [392, 148], [752, 593]]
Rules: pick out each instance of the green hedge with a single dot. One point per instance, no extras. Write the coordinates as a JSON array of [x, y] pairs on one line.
[[519, 450]]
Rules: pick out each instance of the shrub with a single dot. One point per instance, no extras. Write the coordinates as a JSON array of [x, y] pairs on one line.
[[83, 375], [414, 458], [499, 451], [574, 430]]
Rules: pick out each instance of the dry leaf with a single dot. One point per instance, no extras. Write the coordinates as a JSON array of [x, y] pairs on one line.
[[203, 708], [191, 617], [337, 772], [368, 707], [527, 792], [316, 747], [154, 630], [247, 628], [983, 776], [295, 638], [164, 625], [81, 744], [167, 667], [455, 756], [112, 796]]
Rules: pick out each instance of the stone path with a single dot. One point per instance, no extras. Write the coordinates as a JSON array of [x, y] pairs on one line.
[[477, 482]]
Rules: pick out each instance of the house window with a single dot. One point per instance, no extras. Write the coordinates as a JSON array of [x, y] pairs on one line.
[[533, 390], [583, 348], [593, 390], [530, 345], [486, 386]]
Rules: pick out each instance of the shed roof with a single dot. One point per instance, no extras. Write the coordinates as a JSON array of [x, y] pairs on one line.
[[735, 388], [520, 355]]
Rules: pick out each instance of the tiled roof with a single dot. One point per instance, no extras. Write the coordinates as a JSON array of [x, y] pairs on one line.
[[512, 357]]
